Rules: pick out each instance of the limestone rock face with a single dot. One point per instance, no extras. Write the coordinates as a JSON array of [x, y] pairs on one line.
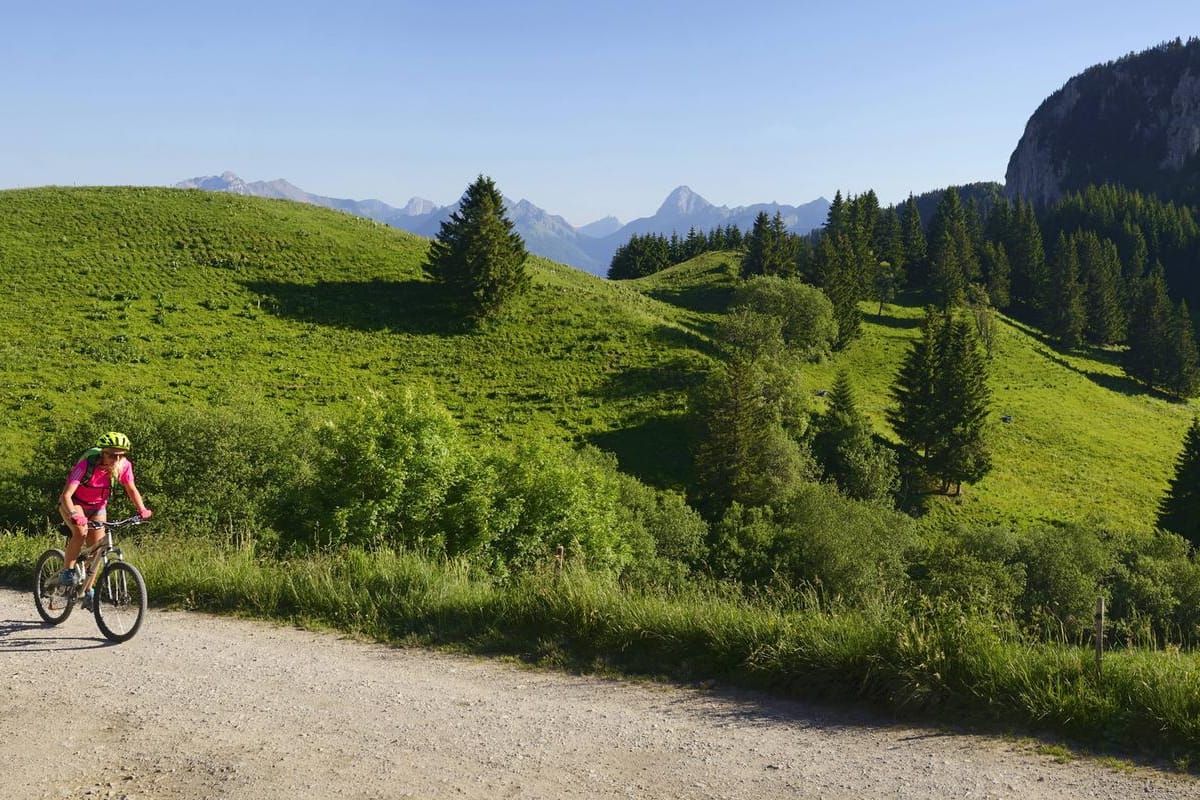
[[1135, 121]]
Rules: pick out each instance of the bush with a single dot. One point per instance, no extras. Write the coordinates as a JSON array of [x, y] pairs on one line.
[[381, 474], [816, 537], [806, 314], [222, 472]]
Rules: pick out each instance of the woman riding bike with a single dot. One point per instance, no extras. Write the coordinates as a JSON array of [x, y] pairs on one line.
[[84, 498]]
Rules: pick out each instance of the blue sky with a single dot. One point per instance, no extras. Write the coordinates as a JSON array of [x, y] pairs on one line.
[[585, 109]]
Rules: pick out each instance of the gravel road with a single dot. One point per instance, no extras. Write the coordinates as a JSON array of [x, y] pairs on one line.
[[198, 706]]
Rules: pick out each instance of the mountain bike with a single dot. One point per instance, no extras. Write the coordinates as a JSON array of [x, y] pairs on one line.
[[119, 604]]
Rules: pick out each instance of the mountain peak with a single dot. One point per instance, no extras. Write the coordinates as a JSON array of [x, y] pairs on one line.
[[683, 202]]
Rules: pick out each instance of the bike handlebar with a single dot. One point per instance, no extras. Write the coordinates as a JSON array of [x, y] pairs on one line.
[[119, 523]]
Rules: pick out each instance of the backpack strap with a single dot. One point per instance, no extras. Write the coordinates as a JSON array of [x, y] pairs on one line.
[[92, 456]]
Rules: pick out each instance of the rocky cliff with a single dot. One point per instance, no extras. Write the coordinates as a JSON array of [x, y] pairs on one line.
[[1134, 121]]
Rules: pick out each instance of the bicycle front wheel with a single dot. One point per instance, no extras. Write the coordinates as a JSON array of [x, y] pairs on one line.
[[53, 600], [120, 604]]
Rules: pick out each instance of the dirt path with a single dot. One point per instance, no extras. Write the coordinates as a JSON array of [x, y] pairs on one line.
[[207, 707]]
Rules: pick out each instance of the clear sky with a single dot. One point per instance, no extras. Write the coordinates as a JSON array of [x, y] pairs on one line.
[[587, 109]]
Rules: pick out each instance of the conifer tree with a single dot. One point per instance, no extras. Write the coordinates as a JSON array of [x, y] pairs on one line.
[[1183, 362], [838, 278], [942, 401], [770, 248], [1027, 257], [1066, 312], [1100, 272], [640, 256], [1179, 510], [747, 454], [946, 278], [997, 273], [964, 399], [915, 415], [478, 255], [850, 457], [915, 250], [1151, 323]]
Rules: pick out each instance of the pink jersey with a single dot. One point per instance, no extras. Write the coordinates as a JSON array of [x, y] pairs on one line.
[[94, 493]]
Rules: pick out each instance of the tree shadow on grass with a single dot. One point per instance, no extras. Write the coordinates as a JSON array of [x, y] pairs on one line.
[[417, 307], [702, 299], [656, 450], [898, 323], [1117, 383]]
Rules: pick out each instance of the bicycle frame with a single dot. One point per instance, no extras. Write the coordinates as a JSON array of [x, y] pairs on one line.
[[104, 549]]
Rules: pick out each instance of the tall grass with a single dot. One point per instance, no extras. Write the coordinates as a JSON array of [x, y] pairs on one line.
[[945, 664]]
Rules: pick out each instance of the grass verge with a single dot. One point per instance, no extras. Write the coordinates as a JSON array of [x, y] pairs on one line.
[[941, 666]]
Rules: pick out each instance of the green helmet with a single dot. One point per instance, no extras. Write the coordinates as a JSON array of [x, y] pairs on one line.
[[117, 441]]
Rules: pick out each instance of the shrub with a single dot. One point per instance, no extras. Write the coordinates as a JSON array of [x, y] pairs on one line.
[[817, 537], [381, 474], [220, 472], [806, 314]]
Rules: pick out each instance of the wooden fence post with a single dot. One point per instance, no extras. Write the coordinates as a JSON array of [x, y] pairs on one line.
[[1099, 636], [558, 560]]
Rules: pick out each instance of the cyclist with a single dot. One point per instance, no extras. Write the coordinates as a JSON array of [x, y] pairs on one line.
[[84, 498]]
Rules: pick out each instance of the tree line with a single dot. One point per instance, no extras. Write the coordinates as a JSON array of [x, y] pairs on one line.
[[1106, 267]]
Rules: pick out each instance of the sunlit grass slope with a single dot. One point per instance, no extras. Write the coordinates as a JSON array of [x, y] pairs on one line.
[[1084, 442], [201, 299]]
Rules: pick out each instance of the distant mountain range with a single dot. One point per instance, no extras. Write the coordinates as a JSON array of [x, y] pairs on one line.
[[589, 247]]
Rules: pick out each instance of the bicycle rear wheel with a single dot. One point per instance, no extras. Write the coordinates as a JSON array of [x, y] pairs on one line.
[[53, 600], [120, 604]]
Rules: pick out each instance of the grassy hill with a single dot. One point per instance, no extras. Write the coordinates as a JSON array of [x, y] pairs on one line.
[[1084, 443], [185, 297]]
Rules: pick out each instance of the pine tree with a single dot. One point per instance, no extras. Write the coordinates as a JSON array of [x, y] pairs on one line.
[[1027, 257], [915, 250], [1100, 272], [915, 415], [839, 280], [1183, 362], [1066, 312], [942, 401], [997, 273], [1151, 323], [770, 248], [640, 256], [964, 399], [947, 280], [746, 454], [850, 457], [1179, 510], [478, 255]]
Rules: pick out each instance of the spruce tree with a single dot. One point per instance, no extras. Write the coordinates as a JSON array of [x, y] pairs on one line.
[[942, 402], [1100, 272], [478, 255], [997, 273], [1183, 362], [1151, 324], [1179, 510], [1066, 312], [915, 250], [850, 457], [915, 416], [839, 280], [964, 399]]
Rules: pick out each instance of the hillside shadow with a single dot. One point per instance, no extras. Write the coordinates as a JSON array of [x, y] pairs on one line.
[[702, 299], [417, 307], [689, 337], [655, 450], [675, 375], [898, 323], [1122, 384]]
